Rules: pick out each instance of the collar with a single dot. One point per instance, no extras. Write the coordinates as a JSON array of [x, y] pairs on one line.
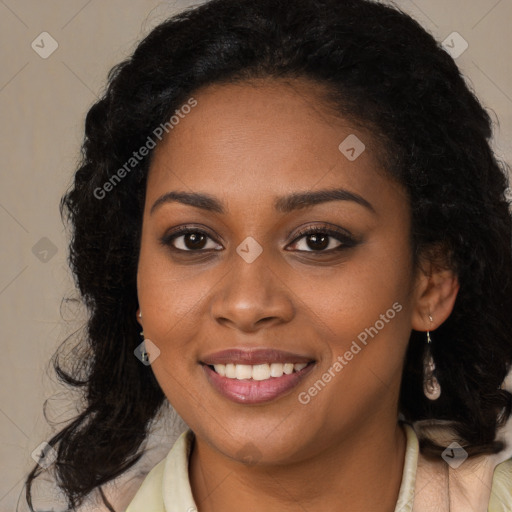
[[166, 488]]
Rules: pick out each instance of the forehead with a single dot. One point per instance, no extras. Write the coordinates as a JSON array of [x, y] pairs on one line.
[[259, 139]]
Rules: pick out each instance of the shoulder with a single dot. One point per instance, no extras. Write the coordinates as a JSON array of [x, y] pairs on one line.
[[501, 491], [482, 482], [477, 483]]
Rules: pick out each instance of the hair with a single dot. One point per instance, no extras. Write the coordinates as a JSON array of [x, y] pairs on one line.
[[382, 71]]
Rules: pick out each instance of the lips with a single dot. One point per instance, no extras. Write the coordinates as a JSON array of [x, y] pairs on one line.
[[254, 357], [250, 391], [253, 390]]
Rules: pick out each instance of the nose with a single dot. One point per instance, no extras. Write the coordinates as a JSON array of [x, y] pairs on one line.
[[252, 296]]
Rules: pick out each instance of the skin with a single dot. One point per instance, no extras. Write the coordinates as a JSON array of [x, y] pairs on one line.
[[246, 144]]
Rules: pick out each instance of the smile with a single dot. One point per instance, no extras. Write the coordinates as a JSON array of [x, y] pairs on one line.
[[255, 384]]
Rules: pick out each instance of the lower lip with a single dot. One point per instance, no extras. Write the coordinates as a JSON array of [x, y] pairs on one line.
[[248, 391]]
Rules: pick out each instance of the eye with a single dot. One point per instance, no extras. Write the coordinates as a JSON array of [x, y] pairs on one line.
[[323, 239], [188, 239]]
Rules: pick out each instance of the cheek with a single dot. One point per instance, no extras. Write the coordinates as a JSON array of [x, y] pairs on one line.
[[170, 301], [353, 296], [166, 290], [364, 309], [172, 307]]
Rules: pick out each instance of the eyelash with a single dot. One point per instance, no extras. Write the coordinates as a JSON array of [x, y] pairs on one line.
[[346, 240]]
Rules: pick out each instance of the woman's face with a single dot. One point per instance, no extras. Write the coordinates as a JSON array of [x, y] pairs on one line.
[[246, 279]]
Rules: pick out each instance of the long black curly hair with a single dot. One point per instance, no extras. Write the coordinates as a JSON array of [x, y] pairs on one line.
[[383, 71]]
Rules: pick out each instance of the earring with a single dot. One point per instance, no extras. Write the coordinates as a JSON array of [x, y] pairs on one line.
[[140, 316], [431, 386]]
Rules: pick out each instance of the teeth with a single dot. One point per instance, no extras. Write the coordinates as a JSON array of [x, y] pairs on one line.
[[260, 371], [288, 368], [257, 371], [221, 369], [243, 371], [230, 371], [276, 370]]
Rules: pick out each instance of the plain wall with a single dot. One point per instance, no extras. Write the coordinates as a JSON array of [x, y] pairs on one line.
[[43, 103]]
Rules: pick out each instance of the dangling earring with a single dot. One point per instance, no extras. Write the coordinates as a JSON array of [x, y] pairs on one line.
[[141, 332], [431, 386]]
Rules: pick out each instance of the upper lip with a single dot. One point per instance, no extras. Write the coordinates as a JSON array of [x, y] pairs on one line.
[[254, 356]]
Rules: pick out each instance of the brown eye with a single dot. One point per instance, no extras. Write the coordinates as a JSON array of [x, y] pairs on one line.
[[189, 240], [317, 241], [194, 240], [321, 239]]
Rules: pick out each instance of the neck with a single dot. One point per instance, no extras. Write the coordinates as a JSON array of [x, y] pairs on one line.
[[361, 472]]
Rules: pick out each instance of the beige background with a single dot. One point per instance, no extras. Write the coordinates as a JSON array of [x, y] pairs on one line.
[[43, 104]]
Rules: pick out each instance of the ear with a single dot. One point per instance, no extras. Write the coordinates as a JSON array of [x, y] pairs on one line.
[[435, 292], [139, 319]]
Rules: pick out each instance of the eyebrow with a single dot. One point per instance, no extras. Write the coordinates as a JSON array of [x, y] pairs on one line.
[[284, 204]]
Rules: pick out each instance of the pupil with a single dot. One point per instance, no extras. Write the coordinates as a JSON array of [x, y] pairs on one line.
[[315, 238], [194, 240]]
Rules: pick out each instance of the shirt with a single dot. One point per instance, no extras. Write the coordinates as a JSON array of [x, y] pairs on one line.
[[166, 488]]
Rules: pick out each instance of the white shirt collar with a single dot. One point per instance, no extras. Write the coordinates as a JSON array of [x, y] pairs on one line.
[[166, 488]]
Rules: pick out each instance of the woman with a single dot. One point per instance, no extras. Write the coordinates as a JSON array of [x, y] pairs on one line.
[[300, 210]]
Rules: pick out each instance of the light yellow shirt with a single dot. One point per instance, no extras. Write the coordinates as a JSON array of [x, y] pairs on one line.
[[166, 488]]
